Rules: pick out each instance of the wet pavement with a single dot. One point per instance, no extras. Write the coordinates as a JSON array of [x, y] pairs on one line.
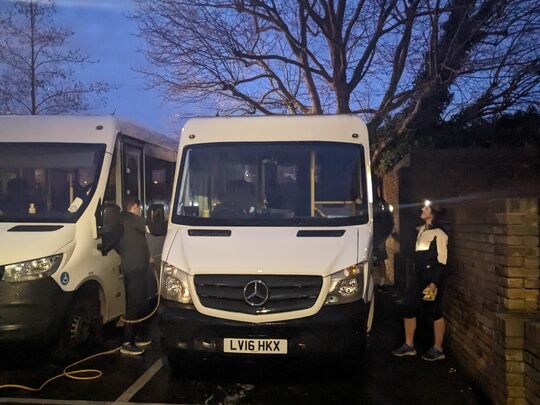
[[379, 378]]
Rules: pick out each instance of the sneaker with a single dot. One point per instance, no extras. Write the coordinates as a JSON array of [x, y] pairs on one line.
[[404, 350], [142, 342], [434, 354], [131, 350]]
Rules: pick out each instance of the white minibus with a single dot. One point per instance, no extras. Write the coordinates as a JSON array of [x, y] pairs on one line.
[[58, 274], [269, 240]]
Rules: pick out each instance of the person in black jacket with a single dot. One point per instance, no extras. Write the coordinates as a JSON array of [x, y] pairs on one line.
[[383, 224], [135, 257], [426, 289]]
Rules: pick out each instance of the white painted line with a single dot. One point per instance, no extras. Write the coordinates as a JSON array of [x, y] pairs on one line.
[[142, 380], [46, 401]]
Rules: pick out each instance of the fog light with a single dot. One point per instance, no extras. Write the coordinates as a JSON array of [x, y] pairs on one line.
[[332, 299]]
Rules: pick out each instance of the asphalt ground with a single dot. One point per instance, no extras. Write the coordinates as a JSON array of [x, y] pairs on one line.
[[379, 378]]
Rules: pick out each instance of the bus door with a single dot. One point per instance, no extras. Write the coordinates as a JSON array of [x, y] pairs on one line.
[[132, 169]]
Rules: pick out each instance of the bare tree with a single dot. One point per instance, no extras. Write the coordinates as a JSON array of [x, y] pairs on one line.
[[482, 60], [36, 69], [410, 63]]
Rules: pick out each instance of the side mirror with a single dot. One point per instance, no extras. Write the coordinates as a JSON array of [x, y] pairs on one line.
[[383, 223], [157, 224], [111, 227]]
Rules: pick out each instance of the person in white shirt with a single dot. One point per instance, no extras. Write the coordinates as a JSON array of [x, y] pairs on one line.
[[426, 290]]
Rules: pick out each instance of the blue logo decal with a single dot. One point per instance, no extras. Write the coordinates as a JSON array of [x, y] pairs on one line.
[[64, 278]]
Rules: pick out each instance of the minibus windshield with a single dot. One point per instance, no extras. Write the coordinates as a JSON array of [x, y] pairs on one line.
[[47, 182], [272, 184]]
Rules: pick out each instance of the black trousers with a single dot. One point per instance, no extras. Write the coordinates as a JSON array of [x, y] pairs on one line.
[[414, 304], [137, 305]]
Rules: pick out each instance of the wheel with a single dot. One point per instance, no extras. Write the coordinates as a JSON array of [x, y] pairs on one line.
[[83, 322]]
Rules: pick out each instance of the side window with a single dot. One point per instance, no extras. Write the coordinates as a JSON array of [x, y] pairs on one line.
[[132, 171], [159, 178], [338, 182]]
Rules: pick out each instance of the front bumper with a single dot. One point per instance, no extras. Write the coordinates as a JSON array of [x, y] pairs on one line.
[[31, 310], [334, 330]]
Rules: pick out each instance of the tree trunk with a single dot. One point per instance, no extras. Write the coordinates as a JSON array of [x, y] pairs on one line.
[[343, 98]]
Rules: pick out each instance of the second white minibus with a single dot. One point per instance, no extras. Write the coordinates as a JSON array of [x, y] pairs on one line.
[[58, 274]]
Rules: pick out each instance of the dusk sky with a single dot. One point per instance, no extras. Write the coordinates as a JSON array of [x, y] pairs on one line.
[[104, 33]]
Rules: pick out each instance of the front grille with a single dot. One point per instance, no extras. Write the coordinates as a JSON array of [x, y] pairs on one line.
[[285, 293]]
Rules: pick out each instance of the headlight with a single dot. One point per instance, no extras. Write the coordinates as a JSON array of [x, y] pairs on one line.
[[174, 284], [32, 269], [346, 285]]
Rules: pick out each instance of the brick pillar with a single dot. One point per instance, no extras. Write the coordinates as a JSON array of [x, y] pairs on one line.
[[511, 362], [517, 249], [532, 363]]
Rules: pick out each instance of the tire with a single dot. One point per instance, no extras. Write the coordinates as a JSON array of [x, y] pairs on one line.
[[82, 326]]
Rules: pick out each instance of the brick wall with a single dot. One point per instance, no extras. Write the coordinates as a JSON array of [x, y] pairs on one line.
[[493, 290], [457, 177]]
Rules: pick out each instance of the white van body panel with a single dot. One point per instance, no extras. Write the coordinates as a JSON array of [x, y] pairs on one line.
[[76, 129], [17, 245], [274, 251], [336, 128]]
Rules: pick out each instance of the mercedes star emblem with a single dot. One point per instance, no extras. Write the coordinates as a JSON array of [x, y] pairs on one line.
[[256, 293]]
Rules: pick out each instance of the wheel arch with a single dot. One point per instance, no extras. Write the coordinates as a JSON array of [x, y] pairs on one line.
[[93, 288]]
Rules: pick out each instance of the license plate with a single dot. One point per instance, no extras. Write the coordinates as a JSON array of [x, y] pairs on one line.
[[255, 346]]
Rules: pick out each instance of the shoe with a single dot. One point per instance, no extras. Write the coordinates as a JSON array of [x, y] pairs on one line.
[[434, 354], [131, 349], [142, 342], [404, 350]]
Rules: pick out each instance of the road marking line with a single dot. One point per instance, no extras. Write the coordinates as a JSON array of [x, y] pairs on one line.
[[141, 382], [46, 401]]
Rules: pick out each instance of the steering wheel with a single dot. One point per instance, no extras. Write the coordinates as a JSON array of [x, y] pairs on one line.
[[227, 211]]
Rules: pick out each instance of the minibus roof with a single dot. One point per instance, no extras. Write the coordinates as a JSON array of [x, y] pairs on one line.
[[274, 128], [76, 129]]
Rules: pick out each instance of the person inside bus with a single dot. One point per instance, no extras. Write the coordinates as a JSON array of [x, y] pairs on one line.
[[426, 289], [135, 258], [17, 200]]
